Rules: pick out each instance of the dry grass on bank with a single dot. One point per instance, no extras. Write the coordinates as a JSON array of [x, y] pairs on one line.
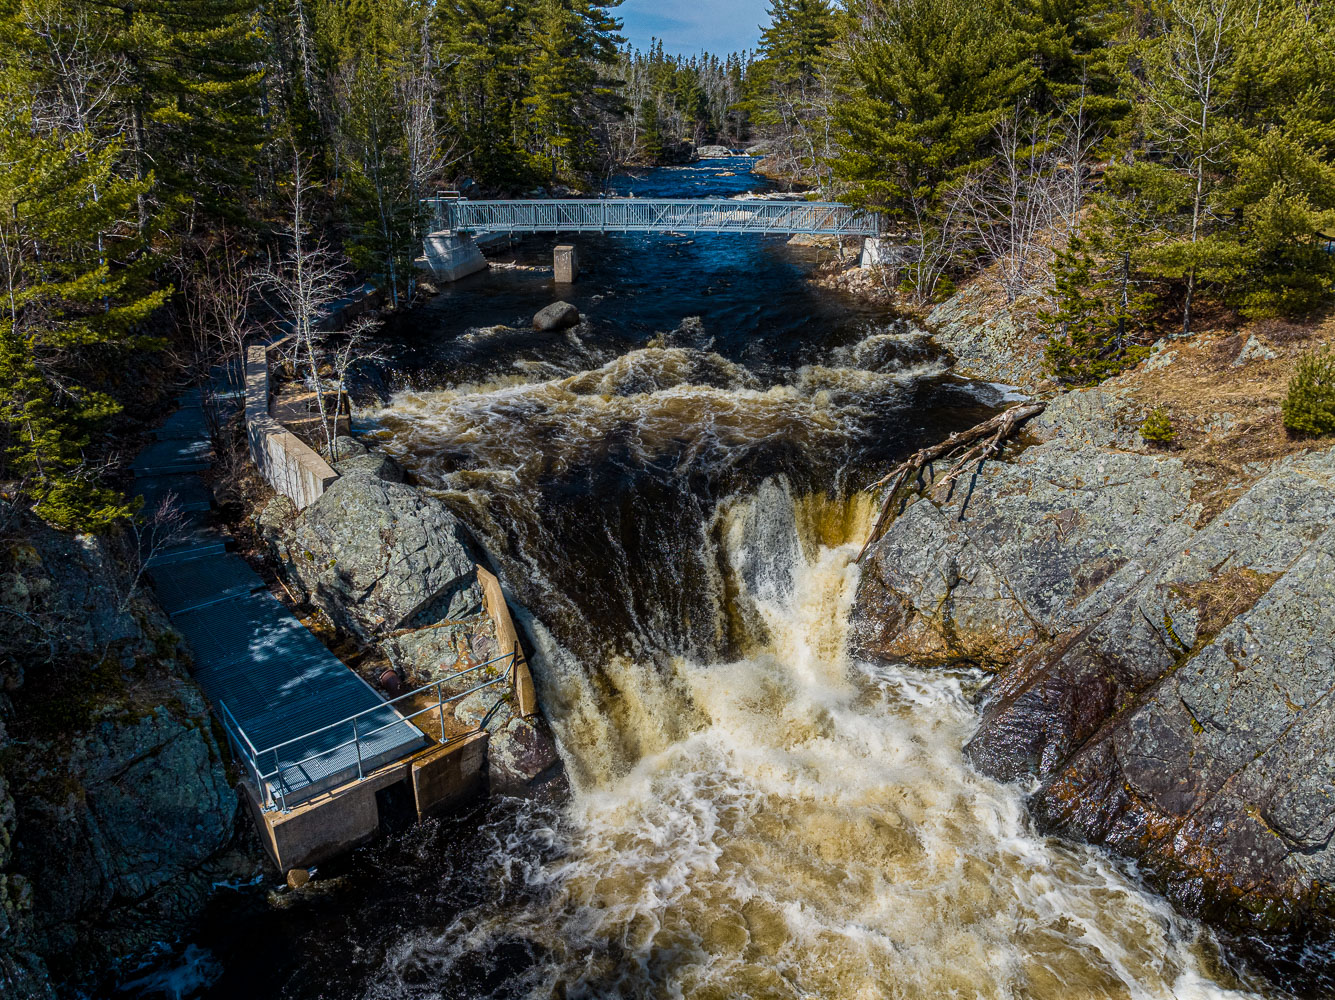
[[1227, 414]]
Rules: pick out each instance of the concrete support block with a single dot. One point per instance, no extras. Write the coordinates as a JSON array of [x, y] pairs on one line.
[[507, 639], [450, 774], [316, 831], [284, 460], [451, 256], [566, 261], [872, 253]]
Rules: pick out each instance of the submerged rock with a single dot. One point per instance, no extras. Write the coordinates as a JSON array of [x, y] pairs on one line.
[[557, 316], [1170, 684]]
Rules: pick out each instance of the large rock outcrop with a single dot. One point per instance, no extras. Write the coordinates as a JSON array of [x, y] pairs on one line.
[[988, 337], [393, 566], [115, 807], [1168, 677], [382, 556]]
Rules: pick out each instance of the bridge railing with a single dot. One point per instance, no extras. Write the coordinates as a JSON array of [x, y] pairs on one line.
[[698, 215], [272, 769]]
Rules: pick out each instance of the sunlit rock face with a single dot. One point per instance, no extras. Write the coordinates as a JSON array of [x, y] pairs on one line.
[[1167, 679]]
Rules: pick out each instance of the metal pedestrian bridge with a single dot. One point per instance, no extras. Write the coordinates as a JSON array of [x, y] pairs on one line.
[[646, 215]]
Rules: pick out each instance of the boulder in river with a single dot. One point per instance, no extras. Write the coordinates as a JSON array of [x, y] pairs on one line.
[[714, 152], [557, 316], [1168, 677], [380, 556]]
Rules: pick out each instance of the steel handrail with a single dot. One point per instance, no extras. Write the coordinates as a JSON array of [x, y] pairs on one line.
[[279, 767], [656, 214], [367, 711]]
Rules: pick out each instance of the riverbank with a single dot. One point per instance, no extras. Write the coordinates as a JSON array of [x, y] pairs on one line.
[[1153, 619]]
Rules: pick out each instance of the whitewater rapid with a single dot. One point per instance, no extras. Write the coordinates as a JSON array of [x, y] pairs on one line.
[[793, 823]]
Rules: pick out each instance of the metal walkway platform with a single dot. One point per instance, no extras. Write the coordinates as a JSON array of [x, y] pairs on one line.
[[280, 694], [644, 215]]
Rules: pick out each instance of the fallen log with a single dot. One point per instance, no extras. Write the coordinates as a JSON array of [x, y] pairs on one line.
[[979, 442]]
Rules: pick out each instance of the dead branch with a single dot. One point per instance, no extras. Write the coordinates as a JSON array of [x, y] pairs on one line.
[[979, 442]]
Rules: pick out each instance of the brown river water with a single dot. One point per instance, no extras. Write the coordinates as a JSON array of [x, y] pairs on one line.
[[674, 494]]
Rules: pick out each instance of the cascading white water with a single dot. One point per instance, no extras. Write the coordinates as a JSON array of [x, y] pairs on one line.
[[795, 824]]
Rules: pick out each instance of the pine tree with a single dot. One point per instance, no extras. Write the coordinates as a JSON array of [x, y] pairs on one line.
[[192, 88], [933, 79], [1090, 332], [798, 38], [651, 135], [71, 301]]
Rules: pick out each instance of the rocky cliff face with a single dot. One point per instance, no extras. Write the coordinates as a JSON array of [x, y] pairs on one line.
[[1165, 661], [115, 806]]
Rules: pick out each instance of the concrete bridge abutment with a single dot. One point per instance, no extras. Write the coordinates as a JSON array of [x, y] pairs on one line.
[[451, 256]]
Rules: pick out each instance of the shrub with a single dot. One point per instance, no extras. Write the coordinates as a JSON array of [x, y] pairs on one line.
[[1309, 406], [1158, 427]]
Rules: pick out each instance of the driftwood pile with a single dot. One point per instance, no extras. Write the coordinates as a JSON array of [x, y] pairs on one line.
[[977, 444]]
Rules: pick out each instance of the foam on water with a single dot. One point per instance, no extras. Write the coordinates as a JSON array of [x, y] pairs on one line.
[[796, 824]]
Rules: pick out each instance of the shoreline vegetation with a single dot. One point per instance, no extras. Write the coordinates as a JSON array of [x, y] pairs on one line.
[[1127, 212]]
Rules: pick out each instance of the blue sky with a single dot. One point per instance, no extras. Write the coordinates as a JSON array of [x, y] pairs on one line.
[[691, 26]]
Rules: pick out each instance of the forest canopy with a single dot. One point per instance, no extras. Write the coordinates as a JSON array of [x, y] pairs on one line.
[[1120, 166]]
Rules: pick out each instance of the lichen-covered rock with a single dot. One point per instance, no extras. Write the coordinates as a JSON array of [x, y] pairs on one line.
[[1170, 684], [114, 798], [381, 556], [1046, 544], [440, 652], [137, 805], [983, 334], [373, 463]]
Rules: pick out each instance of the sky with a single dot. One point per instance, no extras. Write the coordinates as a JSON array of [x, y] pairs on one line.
[[688, 27]]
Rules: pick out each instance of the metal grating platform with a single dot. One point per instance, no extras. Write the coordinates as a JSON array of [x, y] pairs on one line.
[[259, 667], [185, 586], [168, 457], [189, 490], [186, 424]]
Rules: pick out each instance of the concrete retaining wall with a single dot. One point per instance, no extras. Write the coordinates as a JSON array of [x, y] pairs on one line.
[[285, 461]]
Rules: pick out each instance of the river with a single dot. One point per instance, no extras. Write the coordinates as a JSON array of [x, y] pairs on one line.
[[673, 491]]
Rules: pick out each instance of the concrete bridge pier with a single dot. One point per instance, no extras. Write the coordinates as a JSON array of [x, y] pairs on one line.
[[451, 256], [565, 260]]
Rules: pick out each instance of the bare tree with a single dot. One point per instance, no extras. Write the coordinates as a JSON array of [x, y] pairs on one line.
[[220, 297], [150, 532], [1185, 94], [1011, 203], [933, 239], [305, 277]]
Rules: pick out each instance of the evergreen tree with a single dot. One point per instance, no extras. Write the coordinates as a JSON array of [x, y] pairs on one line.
[[790, 89], [933, 79], [797, 40], [1091, 329], [73, 298], [191, 88]]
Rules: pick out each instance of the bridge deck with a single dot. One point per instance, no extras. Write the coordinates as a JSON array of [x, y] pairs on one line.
[[263, 671], [612, 215]]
